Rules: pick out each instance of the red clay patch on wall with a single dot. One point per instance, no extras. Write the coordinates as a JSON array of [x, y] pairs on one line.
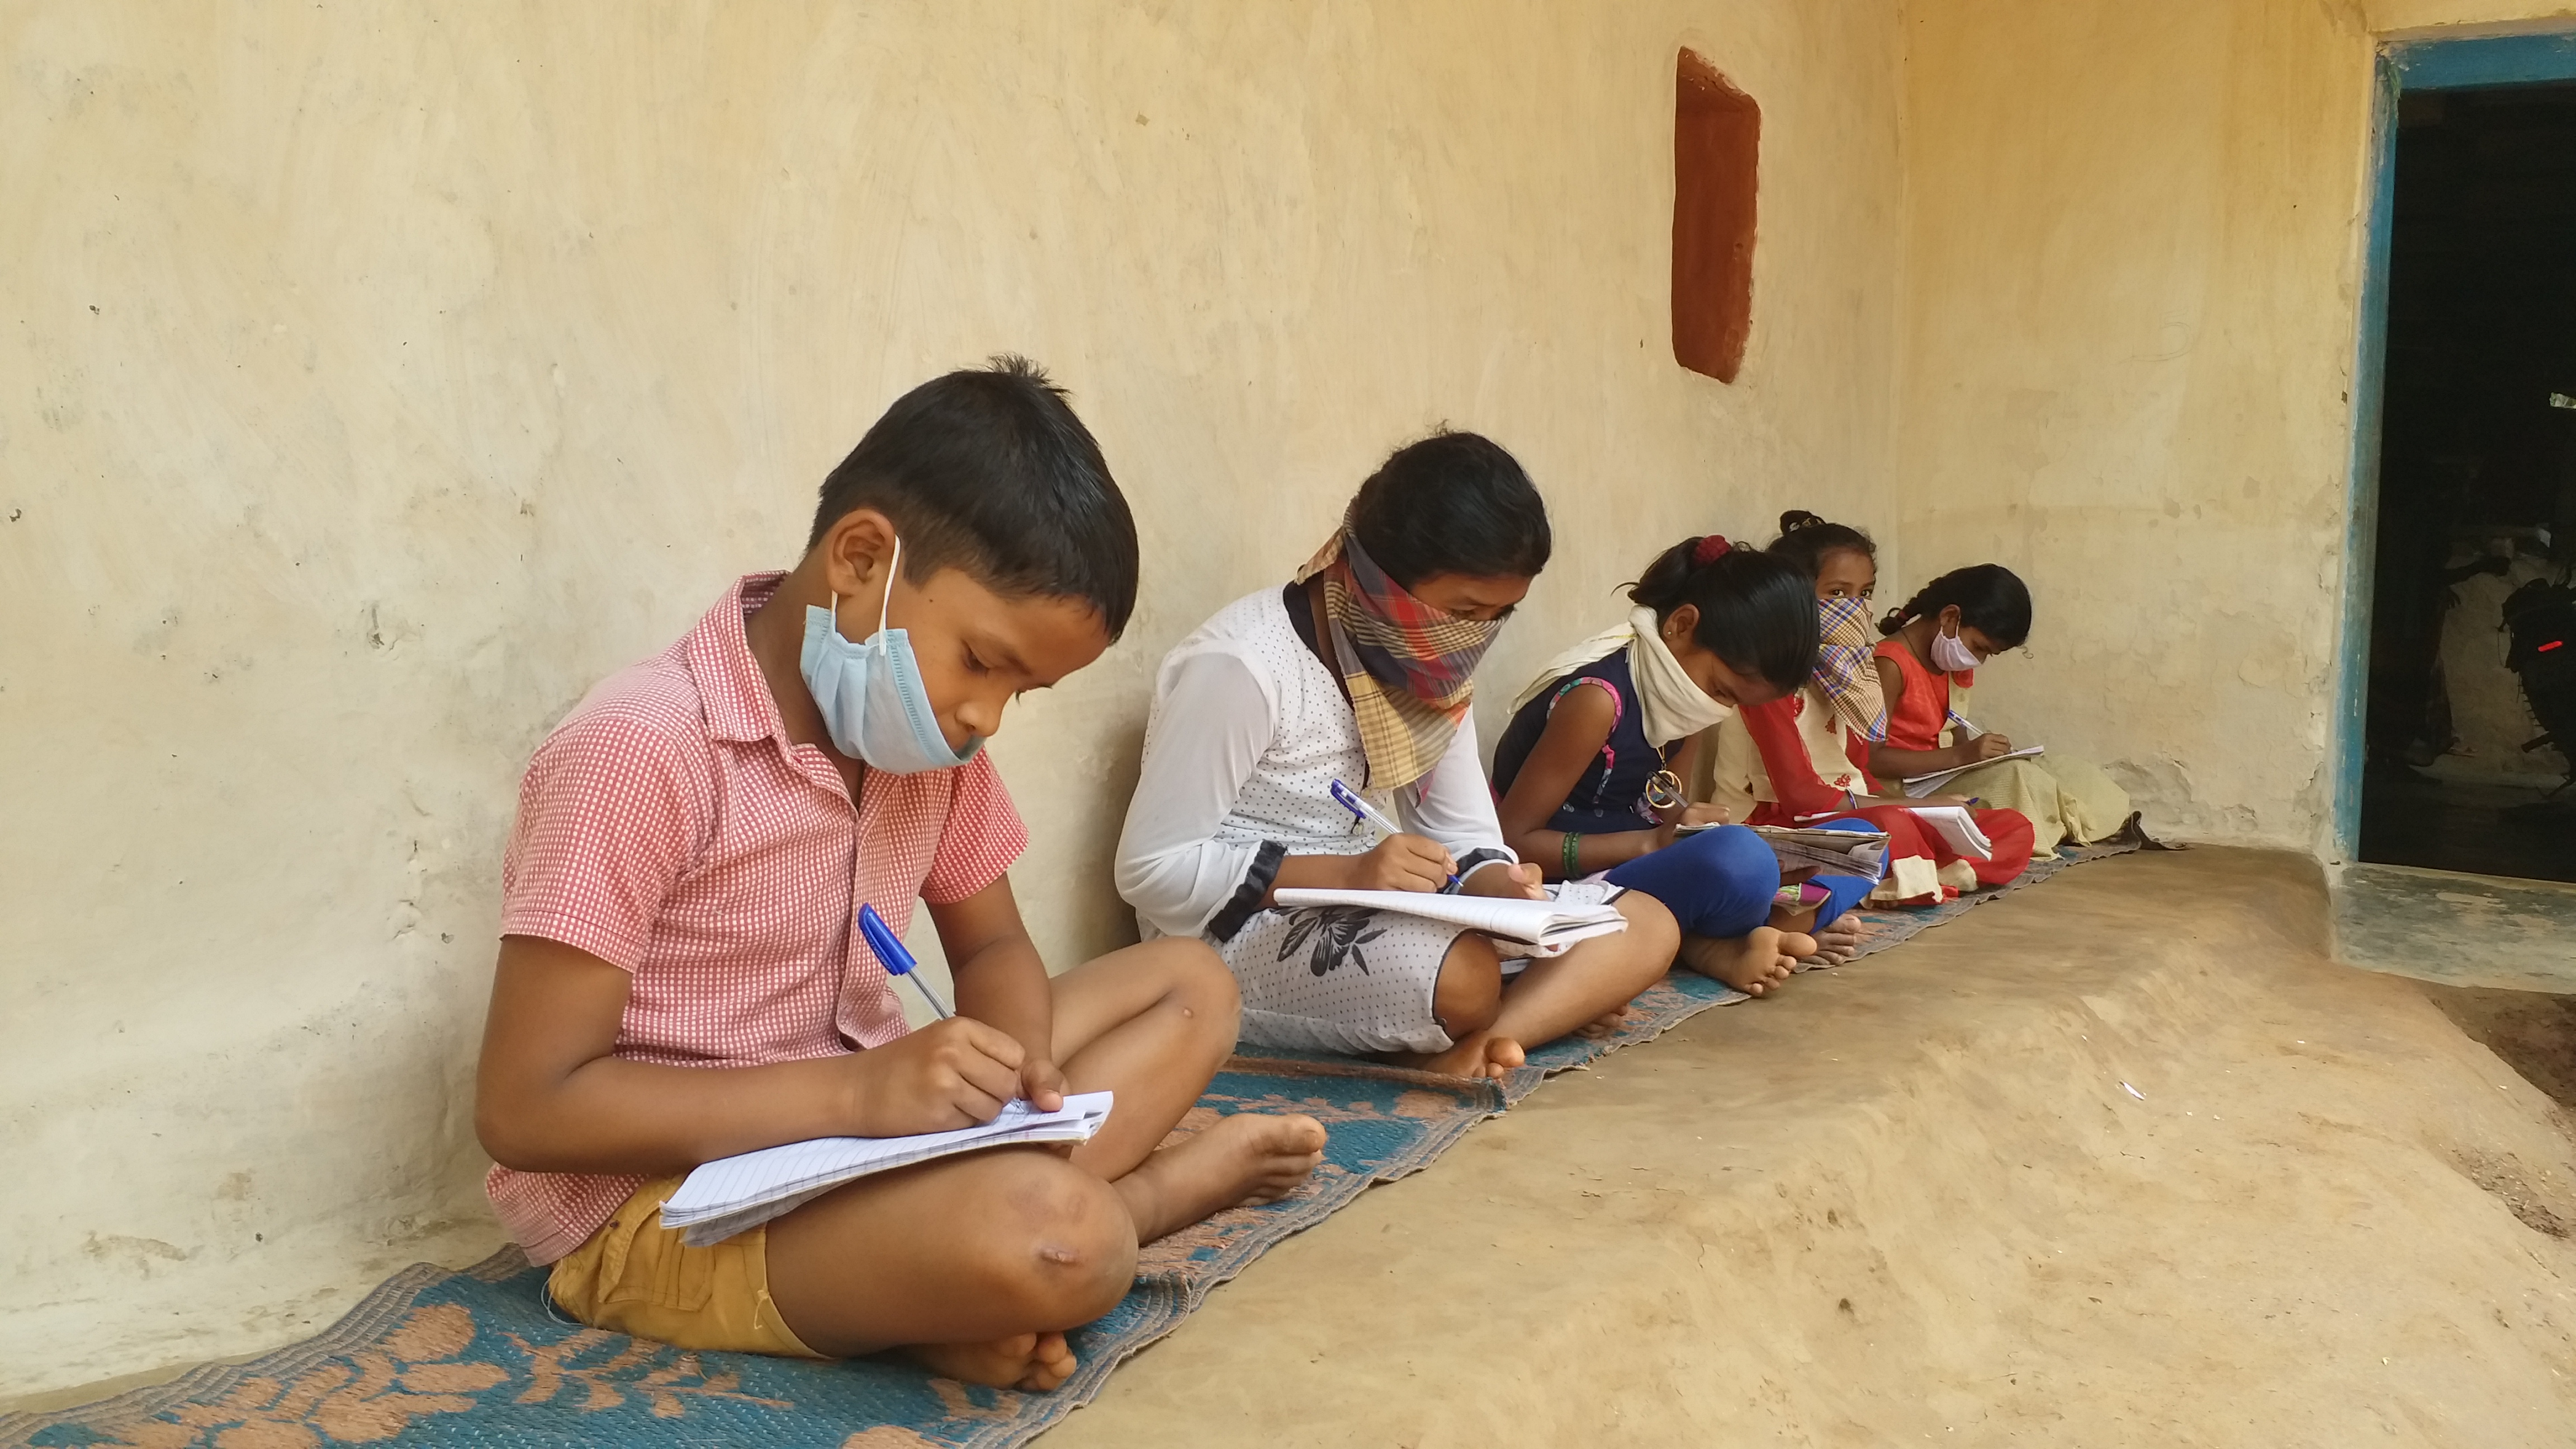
[[1717, 138]]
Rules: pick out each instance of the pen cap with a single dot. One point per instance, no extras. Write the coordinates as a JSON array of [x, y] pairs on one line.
[[882, 940]]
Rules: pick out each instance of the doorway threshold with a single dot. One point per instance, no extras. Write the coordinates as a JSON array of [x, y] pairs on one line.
[[2456, 929]]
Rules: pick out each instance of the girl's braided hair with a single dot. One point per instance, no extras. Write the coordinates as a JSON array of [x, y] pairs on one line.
[[1989, 597]]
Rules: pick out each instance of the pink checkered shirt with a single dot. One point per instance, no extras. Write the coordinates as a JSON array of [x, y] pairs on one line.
[[669, 827]]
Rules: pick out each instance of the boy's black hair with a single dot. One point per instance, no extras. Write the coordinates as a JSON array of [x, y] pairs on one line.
[[1453, 503], [1757, 610], [988, 470], [1805, 539], [1991, 600]]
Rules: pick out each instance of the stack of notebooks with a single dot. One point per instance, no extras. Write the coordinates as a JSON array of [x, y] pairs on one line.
[[723, 1197], [1831, 852]]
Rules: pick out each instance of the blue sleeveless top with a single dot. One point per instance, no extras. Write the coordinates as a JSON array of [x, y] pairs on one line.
[[1611, 795]]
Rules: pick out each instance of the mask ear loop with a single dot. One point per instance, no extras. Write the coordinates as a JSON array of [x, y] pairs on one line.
[[891, 569]]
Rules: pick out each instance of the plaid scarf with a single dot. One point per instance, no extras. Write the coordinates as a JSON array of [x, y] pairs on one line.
[[1843, 668], [1409, 667]]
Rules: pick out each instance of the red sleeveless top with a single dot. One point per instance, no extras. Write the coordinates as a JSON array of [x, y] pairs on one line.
[[1916, 716]]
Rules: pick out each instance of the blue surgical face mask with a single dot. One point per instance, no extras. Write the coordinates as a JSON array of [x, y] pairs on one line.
[[874, 704]]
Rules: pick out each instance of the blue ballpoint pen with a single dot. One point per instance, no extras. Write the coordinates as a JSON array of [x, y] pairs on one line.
[[1348, 799], [897, 961]]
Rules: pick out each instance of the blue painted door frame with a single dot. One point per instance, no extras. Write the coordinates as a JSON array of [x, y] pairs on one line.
[[2474, 63]]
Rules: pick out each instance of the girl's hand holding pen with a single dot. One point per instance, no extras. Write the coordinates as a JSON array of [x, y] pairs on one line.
[[1401, 863]]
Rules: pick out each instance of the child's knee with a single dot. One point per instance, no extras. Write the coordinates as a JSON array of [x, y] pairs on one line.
[[1469, 992], [1736, 853], [1065, 1251], [1652, 929], [1197, 985]]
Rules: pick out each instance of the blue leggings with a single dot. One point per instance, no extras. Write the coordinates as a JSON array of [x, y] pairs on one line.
[[1720, 882], [1843, 892]]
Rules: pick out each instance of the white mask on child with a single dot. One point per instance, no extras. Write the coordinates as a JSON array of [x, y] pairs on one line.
[[1949, 655]]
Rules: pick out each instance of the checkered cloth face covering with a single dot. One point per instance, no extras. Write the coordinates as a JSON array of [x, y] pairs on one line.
[[1843, 668], [1409, 667]]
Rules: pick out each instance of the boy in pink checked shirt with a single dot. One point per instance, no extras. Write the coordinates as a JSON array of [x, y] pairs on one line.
[[681, 977]]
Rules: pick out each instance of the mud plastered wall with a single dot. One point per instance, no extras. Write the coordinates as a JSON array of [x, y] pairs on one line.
[[376, 380], [2133, 271]]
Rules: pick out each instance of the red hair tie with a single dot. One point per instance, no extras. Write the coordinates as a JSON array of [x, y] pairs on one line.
[[1712, 547]]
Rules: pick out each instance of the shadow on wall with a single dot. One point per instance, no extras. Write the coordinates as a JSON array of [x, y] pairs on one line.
[[1104, 918]]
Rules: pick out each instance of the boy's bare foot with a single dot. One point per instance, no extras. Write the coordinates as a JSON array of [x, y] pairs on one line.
[[1481, 1054], [1838, 943], [1752, 963], [1606, 1024], [1249, 1157], [1033, 1361]]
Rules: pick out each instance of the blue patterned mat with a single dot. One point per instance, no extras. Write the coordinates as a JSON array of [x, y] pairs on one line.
[[436, 1357]]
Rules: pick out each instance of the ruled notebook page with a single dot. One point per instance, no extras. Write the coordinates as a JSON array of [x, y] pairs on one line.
[[723, 1197], [1531, 921]]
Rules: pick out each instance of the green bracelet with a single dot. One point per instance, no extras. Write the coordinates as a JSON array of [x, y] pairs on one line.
[[1573, 842]]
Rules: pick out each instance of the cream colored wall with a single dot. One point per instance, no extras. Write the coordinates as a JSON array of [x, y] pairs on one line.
[[376, 378], [2133, 264]]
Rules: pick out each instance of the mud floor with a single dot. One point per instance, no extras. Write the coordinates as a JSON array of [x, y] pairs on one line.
[[2122, 1160]]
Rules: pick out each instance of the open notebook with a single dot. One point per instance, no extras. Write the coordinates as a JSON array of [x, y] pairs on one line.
[[1546, 927], [1918, 786], [1832, 852], [723, 1197], [1954, 824]]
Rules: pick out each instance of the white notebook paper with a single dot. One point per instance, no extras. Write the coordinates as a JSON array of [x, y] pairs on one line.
[[1918, 786], [723, 1197], [1954, 824], [1545, 926]]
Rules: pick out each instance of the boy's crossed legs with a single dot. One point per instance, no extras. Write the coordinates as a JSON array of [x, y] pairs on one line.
[[975, 1265]]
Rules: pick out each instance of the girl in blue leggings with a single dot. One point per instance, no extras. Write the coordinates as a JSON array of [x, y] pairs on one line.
[[1589, 768]]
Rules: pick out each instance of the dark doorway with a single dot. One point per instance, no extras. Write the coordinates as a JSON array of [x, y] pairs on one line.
[[2477, 487]]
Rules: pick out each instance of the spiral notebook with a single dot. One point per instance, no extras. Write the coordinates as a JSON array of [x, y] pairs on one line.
[[723, 1197]]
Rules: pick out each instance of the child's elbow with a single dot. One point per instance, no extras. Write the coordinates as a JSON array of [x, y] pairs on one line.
[[1140, 882], [1127, 876], [505, 1136]]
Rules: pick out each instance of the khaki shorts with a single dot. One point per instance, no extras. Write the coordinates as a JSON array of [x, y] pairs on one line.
[[636, 1276]]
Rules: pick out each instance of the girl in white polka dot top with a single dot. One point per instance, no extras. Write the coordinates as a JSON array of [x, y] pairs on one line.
[[1360, 671]]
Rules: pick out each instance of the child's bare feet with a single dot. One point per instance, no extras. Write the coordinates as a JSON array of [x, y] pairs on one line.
[[1752, 963], [1606, 1024], [1249, 1157], [1034, 1361], [1479, 1054], [1838, 943]]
